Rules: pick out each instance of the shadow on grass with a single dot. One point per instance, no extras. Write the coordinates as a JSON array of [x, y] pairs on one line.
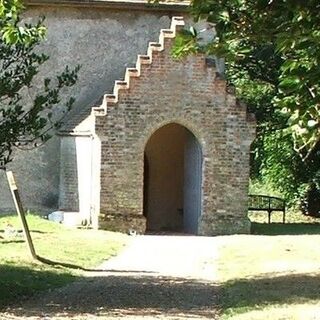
[[249, 293], [65, 265], [127, 295], [77, 267], [17, 282], [11, 241], [284, 229], [20, 231]]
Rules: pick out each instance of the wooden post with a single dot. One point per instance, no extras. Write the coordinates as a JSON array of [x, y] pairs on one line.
[[20, 211]]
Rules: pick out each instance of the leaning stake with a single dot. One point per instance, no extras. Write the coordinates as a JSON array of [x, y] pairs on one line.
[[20, 211]]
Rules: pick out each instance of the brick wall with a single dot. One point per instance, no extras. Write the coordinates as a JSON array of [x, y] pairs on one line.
[[162, 90], [69, 196]]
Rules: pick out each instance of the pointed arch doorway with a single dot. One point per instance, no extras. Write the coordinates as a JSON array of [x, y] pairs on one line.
[[172, 180]]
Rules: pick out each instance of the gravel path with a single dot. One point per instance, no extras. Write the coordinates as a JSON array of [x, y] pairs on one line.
[[155, 277]]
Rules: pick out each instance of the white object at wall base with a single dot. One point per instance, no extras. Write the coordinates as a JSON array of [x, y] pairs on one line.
[[56, 216], [71, 219]]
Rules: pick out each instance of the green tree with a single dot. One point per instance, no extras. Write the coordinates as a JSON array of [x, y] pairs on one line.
[[27, 123], [272, 53], [276, 42]]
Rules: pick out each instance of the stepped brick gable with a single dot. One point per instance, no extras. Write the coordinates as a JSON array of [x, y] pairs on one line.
[[164, 93]]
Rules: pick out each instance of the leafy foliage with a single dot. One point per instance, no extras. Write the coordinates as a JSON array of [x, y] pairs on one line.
[[272, 53], [276, 42], [26, 123]]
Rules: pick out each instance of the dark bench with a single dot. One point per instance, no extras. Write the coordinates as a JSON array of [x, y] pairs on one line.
[[266, 203]]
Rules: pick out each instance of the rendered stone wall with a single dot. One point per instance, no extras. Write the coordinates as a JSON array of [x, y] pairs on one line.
[[103, 41], [161, 91], [37, 176]]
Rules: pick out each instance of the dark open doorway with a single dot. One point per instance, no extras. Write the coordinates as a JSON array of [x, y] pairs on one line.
[[172, 180]]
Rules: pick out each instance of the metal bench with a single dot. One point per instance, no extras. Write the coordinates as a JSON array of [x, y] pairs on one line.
[[266, 203]]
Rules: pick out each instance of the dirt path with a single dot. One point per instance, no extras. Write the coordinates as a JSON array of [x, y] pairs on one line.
[[155, 277]]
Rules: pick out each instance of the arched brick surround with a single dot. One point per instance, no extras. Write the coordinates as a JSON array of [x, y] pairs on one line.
[[162, 90], [172, 180]]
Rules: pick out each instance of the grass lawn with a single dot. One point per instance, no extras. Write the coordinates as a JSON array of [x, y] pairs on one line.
[[20, 276], [272, 274]]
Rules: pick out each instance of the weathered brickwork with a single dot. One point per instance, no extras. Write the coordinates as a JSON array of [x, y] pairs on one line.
[[68, 175], [162, 90]]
